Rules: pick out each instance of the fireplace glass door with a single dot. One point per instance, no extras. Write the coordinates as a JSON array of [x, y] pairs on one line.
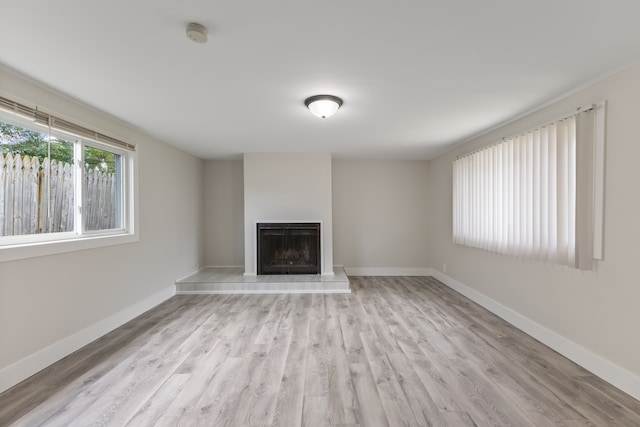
[[288, 248]]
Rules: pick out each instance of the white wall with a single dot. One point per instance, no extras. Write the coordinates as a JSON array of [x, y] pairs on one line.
[[380, 216], [224, 213], [292, 187], [598, 310], [51, 305]]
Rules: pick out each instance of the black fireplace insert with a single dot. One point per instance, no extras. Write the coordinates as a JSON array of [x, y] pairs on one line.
[[288, 248]]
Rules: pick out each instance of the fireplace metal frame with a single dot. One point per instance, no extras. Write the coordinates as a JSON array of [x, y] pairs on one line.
[[287, 227]]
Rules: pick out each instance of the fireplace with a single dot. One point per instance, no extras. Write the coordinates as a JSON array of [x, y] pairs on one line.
[[288, 248]]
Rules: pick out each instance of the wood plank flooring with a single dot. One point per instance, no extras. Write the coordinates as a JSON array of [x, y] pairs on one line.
[[397, 351]]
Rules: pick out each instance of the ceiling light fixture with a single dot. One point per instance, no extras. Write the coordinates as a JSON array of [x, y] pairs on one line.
[[197, 33], [323, 106]]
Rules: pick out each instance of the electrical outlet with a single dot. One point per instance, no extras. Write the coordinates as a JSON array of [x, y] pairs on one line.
[[444, 268]]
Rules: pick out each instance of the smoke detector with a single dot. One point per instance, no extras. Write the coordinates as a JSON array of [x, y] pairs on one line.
[[197, 33]]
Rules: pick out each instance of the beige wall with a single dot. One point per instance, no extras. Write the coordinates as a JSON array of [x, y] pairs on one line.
[[224, 213], [597, 310], [292, 187], [46, 300], [380, 211], [367, 195]]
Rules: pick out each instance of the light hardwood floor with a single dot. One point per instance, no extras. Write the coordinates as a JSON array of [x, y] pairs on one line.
[[397, 351]]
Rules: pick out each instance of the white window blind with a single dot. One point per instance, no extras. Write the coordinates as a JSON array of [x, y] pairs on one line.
[[63, 125], [530, 195]]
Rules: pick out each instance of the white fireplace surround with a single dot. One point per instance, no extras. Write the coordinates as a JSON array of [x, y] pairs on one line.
[[288, 187], [325, 271]]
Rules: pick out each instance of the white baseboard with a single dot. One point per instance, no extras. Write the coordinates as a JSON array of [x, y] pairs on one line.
[[222, 266], [266, 291], [26, 367], [374, 271], [616, 375], [187, 276]]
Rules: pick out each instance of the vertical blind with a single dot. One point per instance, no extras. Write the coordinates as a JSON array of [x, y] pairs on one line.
[[530, 195]]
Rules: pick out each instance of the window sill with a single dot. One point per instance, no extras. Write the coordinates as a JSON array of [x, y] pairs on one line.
[[37, 249]]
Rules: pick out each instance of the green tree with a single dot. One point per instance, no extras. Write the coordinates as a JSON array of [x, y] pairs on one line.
[[17, 140], [95, 158]]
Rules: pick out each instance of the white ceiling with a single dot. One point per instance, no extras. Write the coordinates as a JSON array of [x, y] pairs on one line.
[[416, 76]]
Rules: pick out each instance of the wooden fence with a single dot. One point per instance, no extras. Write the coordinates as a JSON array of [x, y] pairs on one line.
[[39, 197], [99, 206]]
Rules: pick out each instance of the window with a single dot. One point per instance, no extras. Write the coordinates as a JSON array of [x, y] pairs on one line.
[[101, 189], [60, 182], [534, 195]]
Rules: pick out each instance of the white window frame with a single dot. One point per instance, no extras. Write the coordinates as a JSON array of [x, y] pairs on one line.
[[35, 245]]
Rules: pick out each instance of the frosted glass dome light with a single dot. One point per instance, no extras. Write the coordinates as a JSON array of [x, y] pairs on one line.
[[323, 106]]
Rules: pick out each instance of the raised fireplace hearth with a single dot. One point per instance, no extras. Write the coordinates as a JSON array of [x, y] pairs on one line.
[[288, 248]]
